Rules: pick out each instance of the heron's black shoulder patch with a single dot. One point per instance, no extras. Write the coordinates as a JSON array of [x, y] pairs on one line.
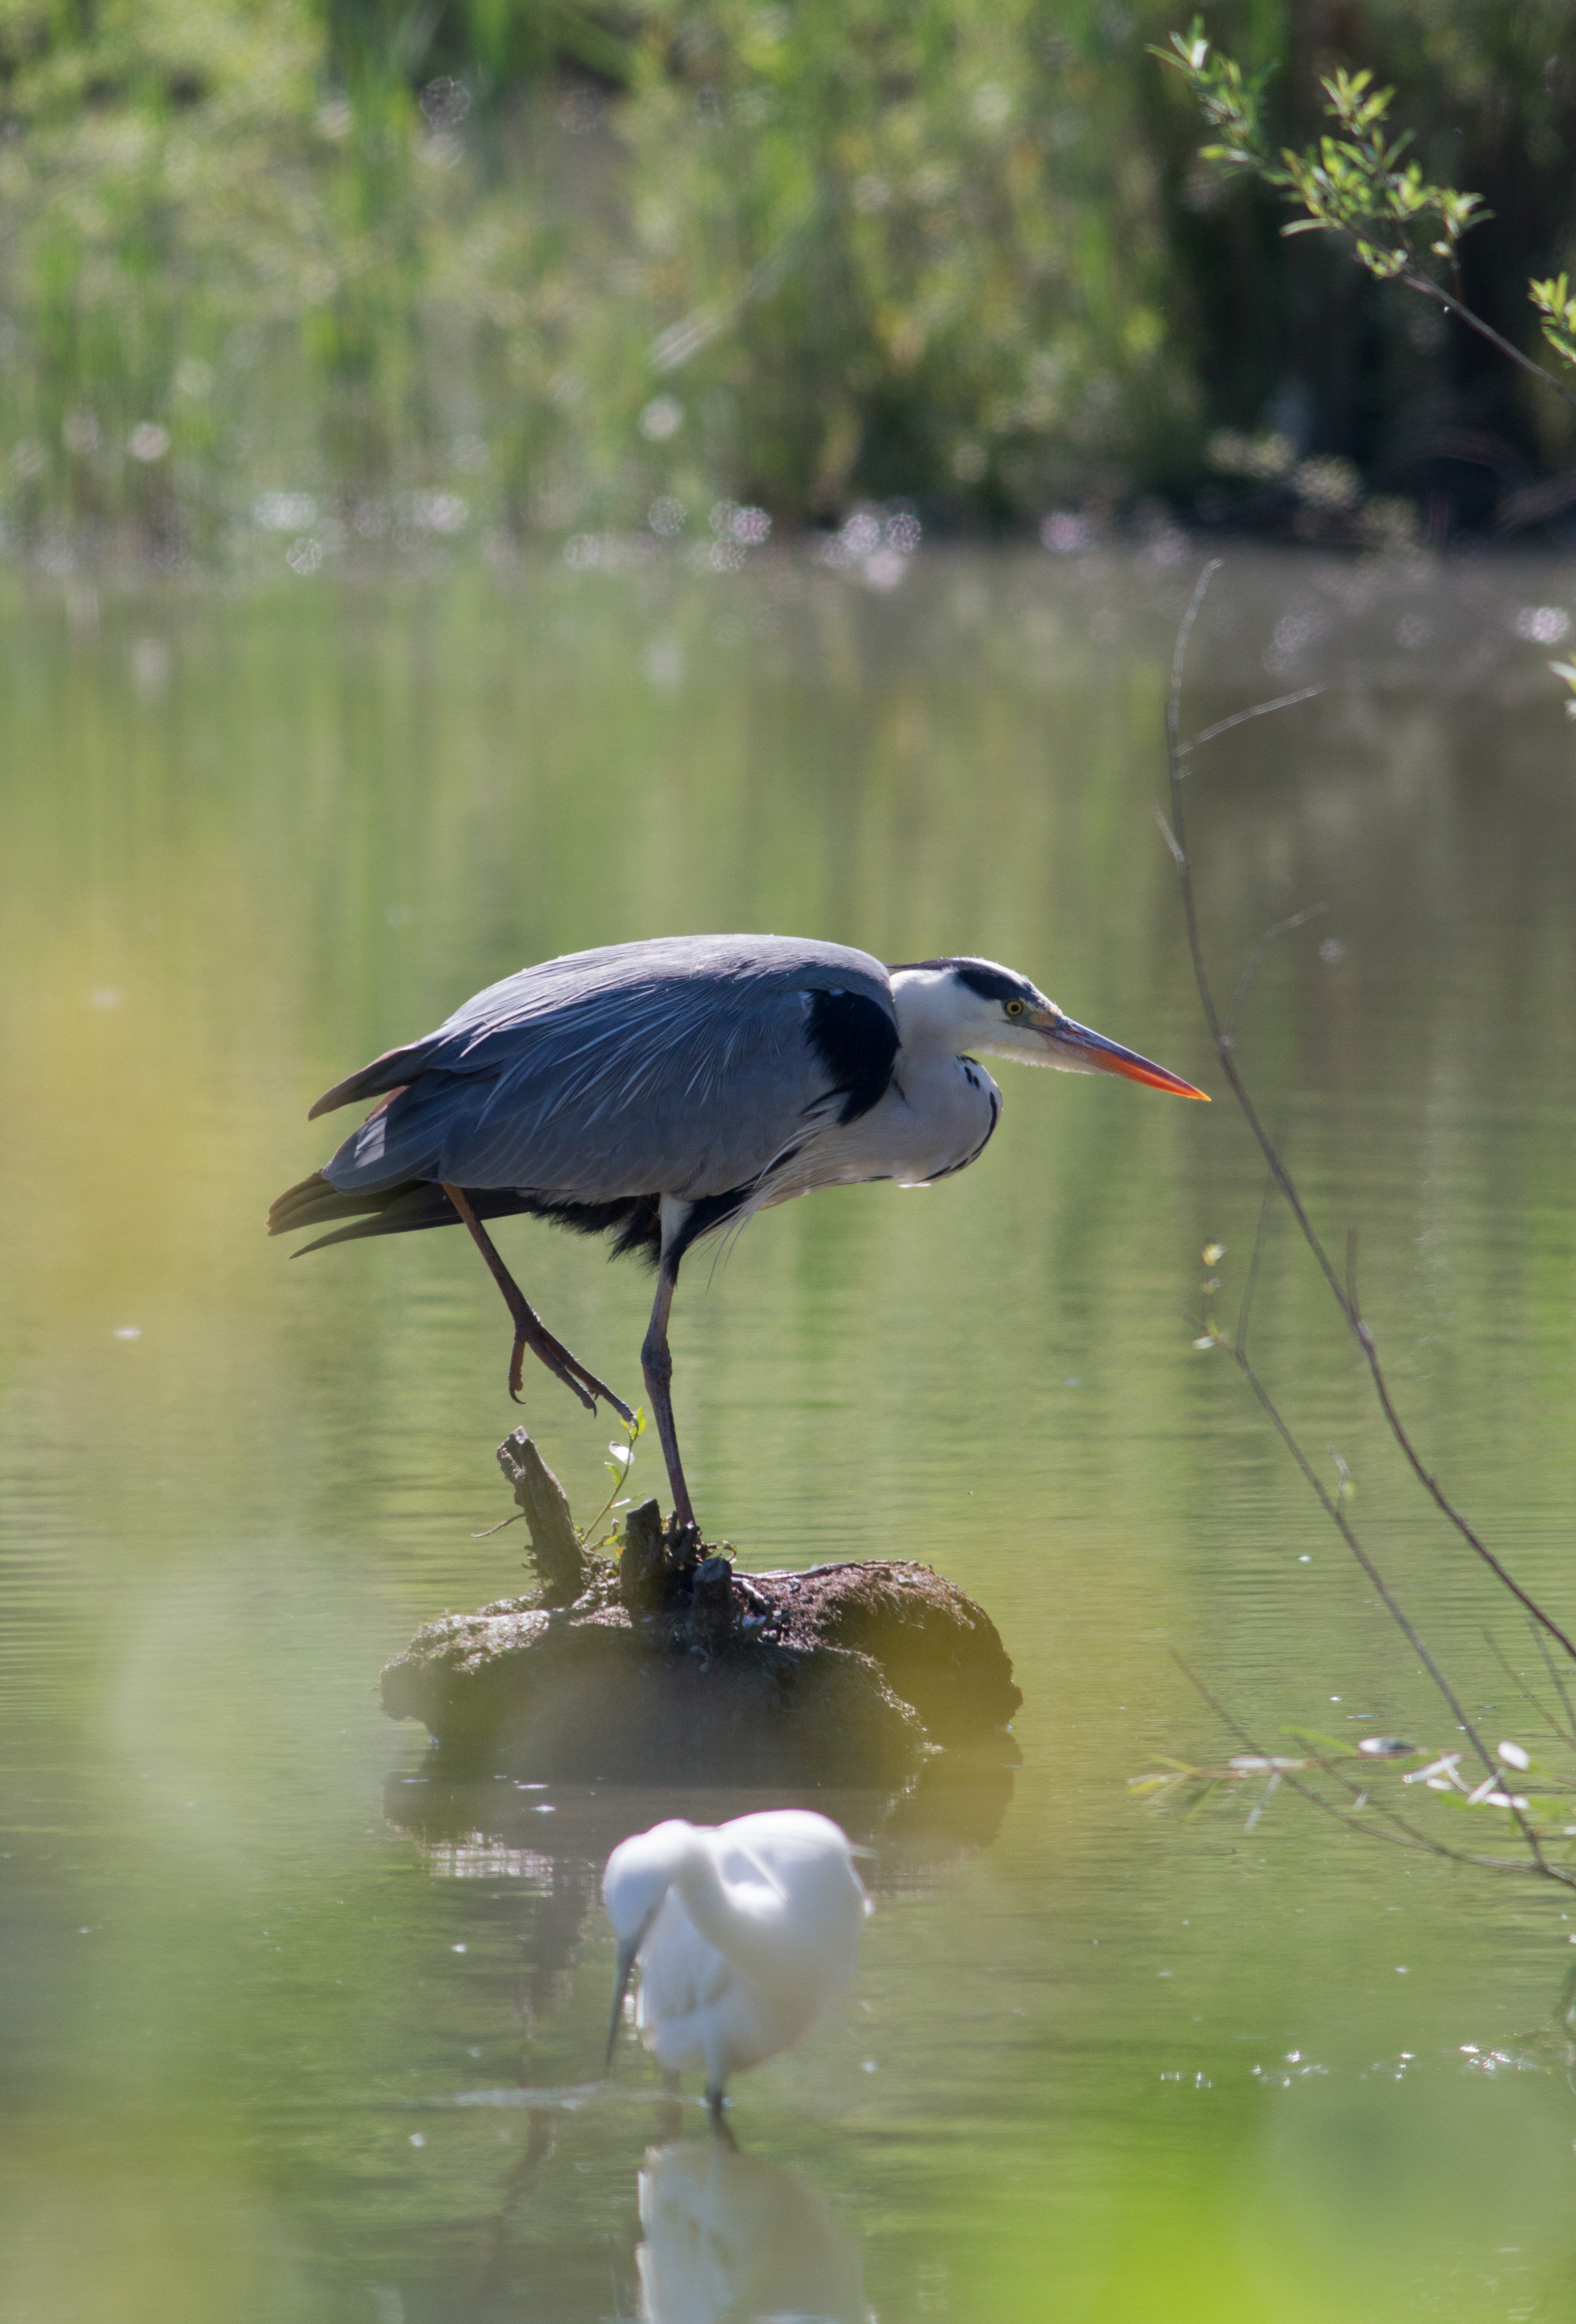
[[856, 1040]]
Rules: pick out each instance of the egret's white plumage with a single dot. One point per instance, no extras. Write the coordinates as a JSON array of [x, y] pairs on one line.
[[742, 1933]]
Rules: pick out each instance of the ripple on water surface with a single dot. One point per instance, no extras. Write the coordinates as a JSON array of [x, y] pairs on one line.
[[1099, 2063]]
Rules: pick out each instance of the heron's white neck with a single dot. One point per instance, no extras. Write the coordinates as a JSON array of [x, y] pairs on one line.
[[937, 1013]]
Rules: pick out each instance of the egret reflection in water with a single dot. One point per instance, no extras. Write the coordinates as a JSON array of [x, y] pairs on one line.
[[725, 2237]]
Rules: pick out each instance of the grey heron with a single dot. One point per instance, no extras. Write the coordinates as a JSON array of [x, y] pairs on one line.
[[743, 1931], [665, 1091]]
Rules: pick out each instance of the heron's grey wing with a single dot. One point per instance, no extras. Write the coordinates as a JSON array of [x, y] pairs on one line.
[[684, 1066]]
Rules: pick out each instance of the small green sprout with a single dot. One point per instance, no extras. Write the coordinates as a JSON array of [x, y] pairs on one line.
[[620, 1460], [1556, 304]]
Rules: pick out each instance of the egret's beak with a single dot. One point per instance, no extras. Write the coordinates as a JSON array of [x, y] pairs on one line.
[[1089, 1052], [626, 1966]]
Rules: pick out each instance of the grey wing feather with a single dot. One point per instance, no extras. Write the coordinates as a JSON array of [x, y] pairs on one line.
[[680, 1066]]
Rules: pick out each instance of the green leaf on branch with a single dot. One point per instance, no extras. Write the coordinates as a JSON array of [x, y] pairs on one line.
[[1354, 184], [1555, 303]]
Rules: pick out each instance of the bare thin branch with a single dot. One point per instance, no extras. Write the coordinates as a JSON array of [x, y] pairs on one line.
[[1240, 718], [1522, 1688], [1454, 306], [1179, 654], [1282, 1175], [1338, 1519], [1345, 1295], [1558, 1677], [1402, 1835], [1246, 1309], [1169, 836], [1277, 929]]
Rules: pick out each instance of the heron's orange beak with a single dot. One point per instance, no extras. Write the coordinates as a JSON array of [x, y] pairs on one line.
[[1090, 1052]]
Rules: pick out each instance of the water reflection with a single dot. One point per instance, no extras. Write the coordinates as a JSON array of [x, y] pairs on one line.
[[280, 843], [726, 2237], [544, 1846], [554, 1839]]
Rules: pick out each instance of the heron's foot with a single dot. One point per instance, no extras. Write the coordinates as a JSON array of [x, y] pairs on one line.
[[563, 1366], [530, 1331], [683, 1541], [524, 1340]]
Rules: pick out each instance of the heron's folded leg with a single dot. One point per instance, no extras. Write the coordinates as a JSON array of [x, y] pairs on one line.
[[656, 1364], [530, 1331]]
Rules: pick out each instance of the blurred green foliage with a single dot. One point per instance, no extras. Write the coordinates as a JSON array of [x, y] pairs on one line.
[[540, 266]]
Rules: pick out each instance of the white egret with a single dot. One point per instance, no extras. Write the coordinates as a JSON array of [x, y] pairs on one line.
[[743, 1933]]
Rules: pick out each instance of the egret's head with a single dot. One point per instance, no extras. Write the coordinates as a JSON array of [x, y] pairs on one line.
[[977, 1005], [640, 1872]]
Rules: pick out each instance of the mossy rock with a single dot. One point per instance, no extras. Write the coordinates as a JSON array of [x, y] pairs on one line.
[[669, 1667], [855, 1675]]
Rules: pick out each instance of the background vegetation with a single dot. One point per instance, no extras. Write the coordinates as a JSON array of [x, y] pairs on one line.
[[353, 270]]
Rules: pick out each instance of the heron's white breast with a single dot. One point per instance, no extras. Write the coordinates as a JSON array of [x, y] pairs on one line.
[[935, 1118]]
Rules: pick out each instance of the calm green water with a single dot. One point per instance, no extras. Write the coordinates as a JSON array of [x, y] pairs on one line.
[[252, 840]]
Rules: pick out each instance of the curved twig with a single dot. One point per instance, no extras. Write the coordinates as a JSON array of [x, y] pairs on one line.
[[1454, 306], [1404, 1835], [1345, 1293], [1176, 839]]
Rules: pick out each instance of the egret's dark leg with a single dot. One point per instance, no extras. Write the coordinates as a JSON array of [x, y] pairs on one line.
[[656, 1364], [720, 2127], [530, 1331]]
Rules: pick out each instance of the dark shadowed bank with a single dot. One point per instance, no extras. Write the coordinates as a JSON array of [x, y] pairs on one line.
[[339, 273]]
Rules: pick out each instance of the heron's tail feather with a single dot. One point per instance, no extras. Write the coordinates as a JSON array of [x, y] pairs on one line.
[[316, 1201], [304, 1205], [391, 1210], [384, 1076], [634, 1221]]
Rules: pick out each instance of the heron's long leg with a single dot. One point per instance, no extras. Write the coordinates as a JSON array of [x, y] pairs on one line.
[[656, 1364], [530, 1331]]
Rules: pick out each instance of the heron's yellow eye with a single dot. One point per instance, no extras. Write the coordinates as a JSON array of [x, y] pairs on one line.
[[1014, 1008]]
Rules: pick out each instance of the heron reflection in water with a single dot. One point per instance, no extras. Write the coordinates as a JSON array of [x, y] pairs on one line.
[[663, 1092]]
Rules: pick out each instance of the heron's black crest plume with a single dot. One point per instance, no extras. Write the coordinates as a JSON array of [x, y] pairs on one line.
[[981, 976]]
